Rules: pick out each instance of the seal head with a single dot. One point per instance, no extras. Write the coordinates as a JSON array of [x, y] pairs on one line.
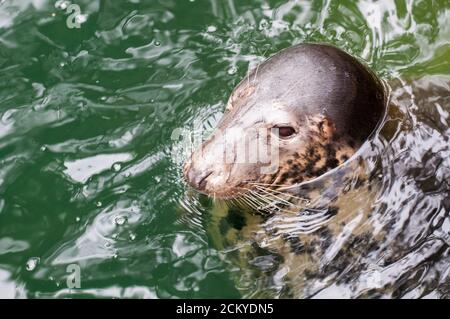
[[302, 112]]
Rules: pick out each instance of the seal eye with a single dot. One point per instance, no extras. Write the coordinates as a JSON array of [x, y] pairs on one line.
[[285, 131]]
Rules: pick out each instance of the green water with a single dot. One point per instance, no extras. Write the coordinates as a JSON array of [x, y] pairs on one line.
[[86, 117]]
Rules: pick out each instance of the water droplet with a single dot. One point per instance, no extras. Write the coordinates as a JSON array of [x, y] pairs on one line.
[[43, 148], [115, 256], [263, 24], [232, 70], [32, 263], [132, 236], [117, 167], [103, 98], [157, 43], [81, 18], [152, 101], [98, 204], [120, 220], [62, 4], [53, 14], [62, 64], [211, 28], [77, 219]]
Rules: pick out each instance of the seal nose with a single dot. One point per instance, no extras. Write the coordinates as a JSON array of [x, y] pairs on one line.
[[197, 179]]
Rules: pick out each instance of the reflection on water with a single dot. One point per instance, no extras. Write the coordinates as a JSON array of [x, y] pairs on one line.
[[87, 177]]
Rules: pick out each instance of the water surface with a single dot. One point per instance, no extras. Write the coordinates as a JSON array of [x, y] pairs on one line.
[[86, 117]]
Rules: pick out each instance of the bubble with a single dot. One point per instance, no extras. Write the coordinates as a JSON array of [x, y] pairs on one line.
[[232, 70], [157, 43], [103, 98], [32, 263], [62, 64], [116, 167], [43, 148], [77, 219], [211, 28], [132, 236], [98, 204], [120, 220]]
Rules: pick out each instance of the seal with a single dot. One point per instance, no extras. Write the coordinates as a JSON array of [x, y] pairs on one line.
[[318, 105], [323, 223]]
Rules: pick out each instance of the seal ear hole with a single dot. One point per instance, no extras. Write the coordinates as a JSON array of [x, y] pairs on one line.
[[285, 131], [326, 128]]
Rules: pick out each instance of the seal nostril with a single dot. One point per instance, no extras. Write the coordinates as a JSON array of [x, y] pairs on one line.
[[202, 182], [197, 179]]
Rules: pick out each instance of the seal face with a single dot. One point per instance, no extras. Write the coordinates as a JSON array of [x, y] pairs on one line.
[[317, 105]]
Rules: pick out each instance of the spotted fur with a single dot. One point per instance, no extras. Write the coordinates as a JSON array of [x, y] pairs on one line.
[[324, 150]]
